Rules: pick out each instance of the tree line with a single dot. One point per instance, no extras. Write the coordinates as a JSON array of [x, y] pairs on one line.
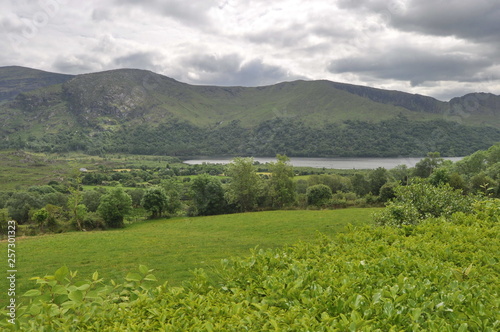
[[240, 186], [287, 136]]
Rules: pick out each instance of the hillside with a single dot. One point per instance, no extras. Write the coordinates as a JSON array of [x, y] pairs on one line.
[[100, 112], [15, 80]]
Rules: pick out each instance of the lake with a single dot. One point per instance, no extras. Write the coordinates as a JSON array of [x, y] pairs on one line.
[[337, 163]]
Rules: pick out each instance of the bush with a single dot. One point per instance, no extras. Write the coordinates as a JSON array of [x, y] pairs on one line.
[[114, 206], [422, 200], [93, 220], [319, 195]]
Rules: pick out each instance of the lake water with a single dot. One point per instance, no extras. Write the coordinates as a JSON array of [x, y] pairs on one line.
[[337, 163]]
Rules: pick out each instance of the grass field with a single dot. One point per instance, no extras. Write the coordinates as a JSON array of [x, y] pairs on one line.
[[21, 169], [173, 247]]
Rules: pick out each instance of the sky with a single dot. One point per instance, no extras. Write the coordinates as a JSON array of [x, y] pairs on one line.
[[437, 48]]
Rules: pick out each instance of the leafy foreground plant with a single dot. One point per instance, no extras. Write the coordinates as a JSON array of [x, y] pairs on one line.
[[436, 276]]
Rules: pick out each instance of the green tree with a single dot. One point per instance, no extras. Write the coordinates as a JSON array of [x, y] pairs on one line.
[[360, 185], [155, 201], [439, 176], [427, 165], [456, 181], [282, 186], [40, 217], [4, 219], [114, 206], [20, 204], [174, 191], [377, 179], [319, 195], [387, 191], [401, 174], [245, 185], [136, 195], [208, 195], [75, 199]]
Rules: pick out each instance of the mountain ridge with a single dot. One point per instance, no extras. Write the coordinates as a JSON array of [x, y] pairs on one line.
[[90, 109]]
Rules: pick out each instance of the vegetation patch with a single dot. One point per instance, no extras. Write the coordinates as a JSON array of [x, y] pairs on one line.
[[440, 275], [175, 246]]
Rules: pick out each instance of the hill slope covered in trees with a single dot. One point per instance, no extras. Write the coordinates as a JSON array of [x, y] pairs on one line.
[[138, 111]]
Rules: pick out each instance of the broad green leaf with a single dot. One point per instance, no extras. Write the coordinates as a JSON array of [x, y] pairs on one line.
[[83, 287], [143, 269], [76, 296], [61, 273], [133, 276], [59, 289], [150, 277], [32, 292]]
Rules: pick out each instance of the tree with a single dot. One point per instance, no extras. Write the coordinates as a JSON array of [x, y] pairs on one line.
[[91, 199], [173, 189], [387, 191], [245, 184], [75, 199], [114, 206], [4, 219], [439, 177], [360, 185], [426, 166], [456, 181], [20, 203], [208, 195], [155, 201], [40, 216], [377, 179], [318, 195], [136, 195], [282, 186]]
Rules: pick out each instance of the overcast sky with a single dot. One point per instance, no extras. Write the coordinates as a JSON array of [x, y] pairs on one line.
[[432, 47]]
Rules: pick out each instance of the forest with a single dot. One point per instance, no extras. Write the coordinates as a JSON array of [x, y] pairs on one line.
[[287, 136]]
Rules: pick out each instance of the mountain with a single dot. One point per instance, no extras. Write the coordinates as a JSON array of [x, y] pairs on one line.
[[101, 112], [15, 79]]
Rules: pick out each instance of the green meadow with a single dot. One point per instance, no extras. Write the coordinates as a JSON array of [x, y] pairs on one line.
[[174, 247]]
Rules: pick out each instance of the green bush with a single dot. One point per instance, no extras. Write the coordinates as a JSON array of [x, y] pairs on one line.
[[422, 200], [319, 195]]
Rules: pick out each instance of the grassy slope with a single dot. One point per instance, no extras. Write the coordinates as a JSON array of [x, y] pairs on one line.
[[20, 169], [163, 99], [15, 79], [173, 247]]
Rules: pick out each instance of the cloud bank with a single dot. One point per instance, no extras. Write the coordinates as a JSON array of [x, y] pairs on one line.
[[438, 48]]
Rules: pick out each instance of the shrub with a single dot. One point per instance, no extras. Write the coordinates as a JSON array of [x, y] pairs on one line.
[[422, 200], [319, 195]]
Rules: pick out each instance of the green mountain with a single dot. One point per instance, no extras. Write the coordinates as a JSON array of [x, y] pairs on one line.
[[15, 79], [138, 111]]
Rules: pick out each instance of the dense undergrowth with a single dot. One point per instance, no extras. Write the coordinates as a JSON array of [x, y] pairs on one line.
[[438, 275]]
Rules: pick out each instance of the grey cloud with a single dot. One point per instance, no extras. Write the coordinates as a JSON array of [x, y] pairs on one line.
[[413, 65], [232, 70], [139, 60], [476, 20], [291, 35], [76, 64], [101, 14], [193, 12]]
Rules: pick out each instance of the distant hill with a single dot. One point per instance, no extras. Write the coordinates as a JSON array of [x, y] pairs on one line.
[[15, 79], [99, 112]]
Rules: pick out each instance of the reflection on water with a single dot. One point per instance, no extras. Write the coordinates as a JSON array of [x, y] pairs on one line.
[[337, 163]]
